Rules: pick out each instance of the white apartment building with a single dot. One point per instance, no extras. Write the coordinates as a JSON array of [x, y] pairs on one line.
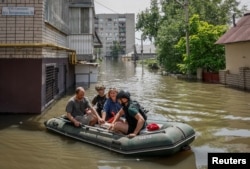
[[116, 27]]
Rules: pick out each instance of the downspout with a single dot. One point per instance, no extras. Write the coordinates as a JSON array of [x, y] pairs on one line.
[[72, 55]]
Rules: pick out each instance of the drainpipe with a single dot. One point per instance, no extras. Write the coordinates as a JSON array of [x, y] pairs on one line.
[[72, 56]]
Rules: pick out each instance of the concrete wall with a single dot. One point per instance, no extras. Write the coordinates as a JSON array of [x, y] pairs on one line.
[[237, 72], [85, 74], [130, 32], [237, 55], [20, 86]]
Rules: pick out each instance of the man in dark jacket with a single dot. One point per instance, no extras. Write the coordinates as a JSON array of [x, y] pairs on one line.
[[135, 119]]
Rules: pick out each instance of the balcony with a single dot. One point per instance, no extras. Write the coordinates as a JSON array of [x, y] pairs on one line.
[[82, 43]]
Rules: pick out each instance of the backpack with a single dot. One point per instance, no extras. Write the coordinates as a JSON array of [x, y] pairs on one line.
[[141, 109]]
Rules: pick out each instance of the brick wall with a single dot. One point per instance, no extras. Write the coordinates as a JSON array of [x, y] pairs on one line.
[[29, 29], [247, 77], [52, 35], [21, 29], [241, 80]]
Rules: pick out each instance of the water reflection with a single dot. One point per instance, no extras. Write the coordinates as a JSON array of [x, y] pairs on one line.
[[219, 115]]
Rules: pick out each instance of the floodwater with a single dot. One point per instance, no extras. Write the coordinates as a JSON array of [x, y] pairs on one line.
[[219, 115]]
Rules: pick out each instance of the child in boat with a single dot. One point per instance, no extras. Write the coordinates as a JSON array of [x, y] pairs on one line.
[[99, 99], [111, 106]]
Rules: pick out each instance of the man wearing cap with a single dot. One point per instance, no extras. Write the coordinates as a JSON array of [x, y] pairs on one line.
[[135, 120]]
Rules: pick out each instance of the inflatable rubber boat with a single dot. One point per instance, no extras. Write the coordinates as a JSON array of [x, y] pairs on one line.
[[170, 138]]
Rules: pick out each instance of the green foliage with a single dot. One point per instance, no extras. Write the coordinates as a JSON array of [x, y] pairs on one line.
[[151, 63], [203, 52], [216, 12], [148, 20], [166, 53], [164, 22], [115, 49]]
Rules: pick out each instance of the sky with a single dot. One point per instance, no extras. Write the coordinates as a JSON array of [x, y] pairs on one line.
[[121, 6], [131, 6]]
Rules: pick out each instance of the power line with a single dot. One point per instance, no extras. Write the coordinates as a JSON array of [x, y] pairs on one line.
[[106, 7]]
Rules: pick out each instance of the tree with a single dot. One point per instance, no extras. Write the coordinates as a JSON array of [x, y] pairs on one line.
[[216, 12], [168, 27], [170, 31], [115, 49], [203, 52], [148, 20]]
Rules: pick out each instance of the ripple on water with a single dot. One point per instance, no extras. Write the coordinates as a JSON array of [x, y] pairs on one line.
[[231, 117], [232, 132]]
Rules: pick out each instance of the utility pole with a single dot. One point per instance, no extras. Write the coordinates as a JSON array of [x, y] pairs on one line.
[[185, 5], [187, 33], [187, 26], [135, 55], [142, 65], [142, 54]]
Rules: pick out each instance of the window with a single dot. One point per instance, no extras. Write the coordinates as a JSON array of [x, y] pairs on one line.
[[84, 20], [79, 20], [109, 39], [58, 8]]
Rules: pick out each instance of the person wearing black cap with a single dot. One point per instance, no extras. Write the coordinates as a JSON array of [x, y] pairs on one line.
[[135, 119]]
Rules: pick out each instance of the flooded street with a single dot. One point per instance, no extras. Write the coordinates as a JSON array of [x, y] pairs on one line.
[[219, 115]]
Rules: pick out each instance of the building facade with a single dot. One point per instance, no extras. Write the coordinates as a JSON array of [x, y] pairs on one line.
[[116, 27], [37, 58], [237, 51]]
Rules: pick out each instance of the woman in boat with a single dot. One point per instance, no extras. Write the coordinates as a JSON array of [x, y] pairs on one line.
[[135, 118], [99, 99], [111, 106]]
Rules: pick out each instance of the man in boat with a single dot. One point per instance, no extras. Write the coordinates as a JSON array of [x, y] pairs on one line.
[[135, 119], [100, 98], [79, 110]]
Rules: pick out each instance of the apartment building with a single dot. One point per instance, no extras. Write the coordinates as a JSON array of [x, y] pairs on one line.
[[116, 27], [40, 41]]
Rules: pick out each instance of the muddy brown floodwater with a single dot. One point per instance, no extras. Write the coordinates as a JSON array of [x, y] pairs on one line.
[[219, 115]]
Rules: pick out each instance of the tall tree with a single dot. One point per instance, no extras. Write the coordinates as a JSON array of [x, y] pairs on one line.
[[148, 20], [169, 25], [115, 49], [216, 12], [203, 52]]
